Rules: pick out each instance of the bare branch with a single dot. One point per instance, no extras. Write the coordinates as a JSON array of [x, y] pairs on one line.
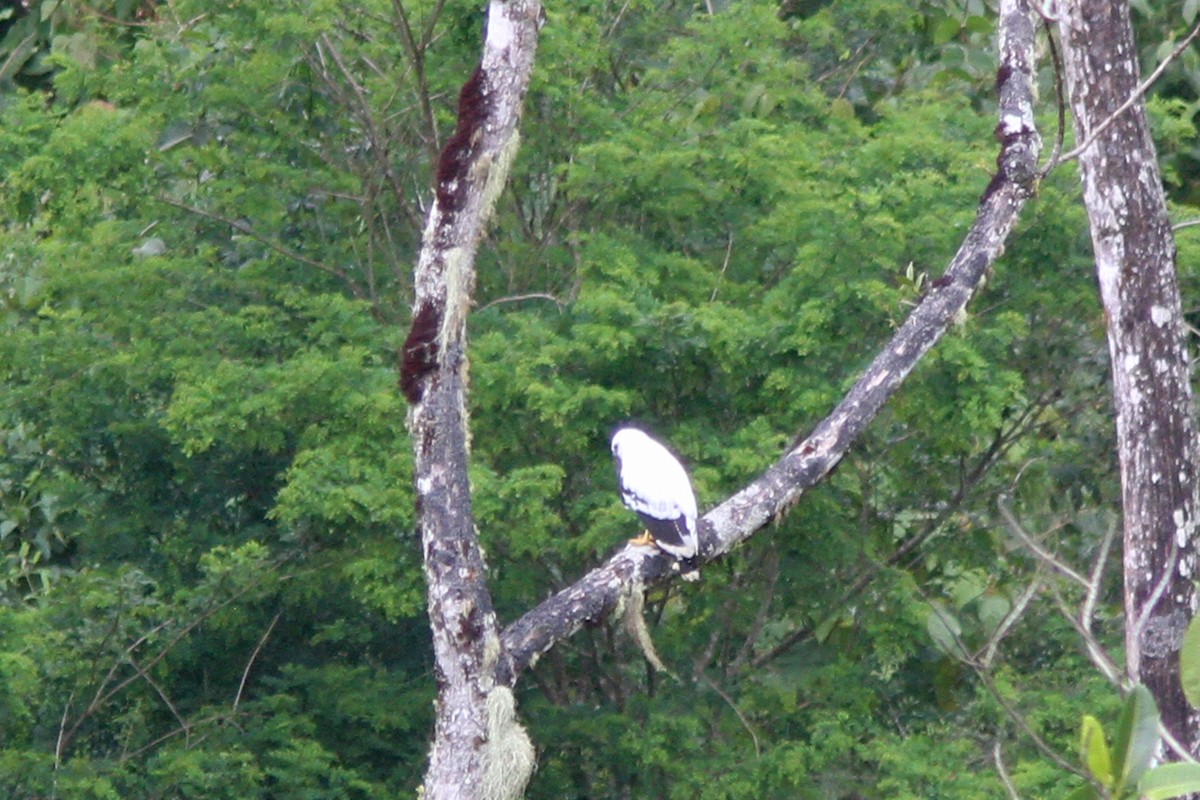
[[1042, 553], [1088, 610], [741, 717], [243, 228], [253, 656], [517, 298], [1010, 621], [998, 759], [810, 460], [724, 267]]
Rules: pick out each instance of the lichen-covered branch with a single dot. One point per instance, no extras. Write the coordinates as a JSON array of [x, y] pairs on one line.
[[1135, 265], [472, 715], [812, 459]]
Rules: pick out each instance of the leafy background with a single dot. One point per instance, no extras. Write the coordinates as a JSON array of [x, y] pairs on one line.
[[208, 215]]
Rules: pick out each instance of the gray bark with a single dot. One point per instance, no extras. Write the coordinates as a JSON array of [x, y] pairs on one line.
[[473, 716], [1135, 265]]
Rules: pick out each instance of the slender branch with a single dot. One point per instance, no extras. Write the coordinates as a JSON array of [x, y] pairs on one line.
[[517, 298], [105, 692], [155, 742], [998, 759], [1060, 96], [764, 609], [243, 228], [253, 656], [810, 460], [1042, 553], [62, 729], [162, 694], [1164, 580], [1010, 621], [724, 266], [741, 717], [1088, 610], [416, 52], [985, 677], [1003, 440]]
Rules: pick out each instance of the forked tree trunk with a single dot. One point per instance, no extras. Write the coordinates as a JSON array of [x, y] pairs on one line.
[[479, 749], [1135, 265]]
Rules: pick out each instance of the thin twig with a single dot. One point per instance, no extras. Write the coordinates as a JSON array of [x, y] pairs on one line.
[[246, 230], [1042, 553], [257, 649], [985, 678], [764, 610], [741, 717], [1010, 620], [724, 266], [616, 20], [1164, 581], [516, 298], [1088, 610], [129, 756], [1060, 95], [162, 694], [62, 729], [1096, 652], [998, 760]]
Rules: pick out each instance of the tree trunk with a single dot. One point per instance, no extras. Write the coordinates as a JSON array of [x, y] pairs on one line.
[[478, 750], [1135, 265]]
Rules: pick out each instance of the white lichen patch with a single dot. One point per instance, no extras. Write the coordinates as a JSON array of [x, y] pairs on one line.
[[1159, 315], [1011, 124], [501, 30]]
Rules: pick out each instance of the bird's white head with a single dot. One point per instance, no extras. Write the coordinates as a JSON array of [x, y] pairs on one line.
[[626, 438]]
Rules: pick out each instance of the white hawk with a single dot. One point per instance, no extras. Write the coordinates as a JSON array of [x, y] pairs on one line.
[[657, 488]]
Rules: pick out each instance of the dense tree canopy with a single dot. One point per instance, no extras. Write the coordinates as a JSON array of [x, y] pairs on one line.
[[211, 581]]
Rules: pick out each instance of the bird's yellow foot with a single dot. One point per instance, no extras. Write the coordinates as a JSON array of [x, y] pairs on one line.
[[645, 540]]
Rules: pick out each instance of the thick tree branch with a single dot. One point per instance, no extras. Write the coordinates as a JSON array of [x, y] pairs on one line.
[[812, 459], [1155, 414], [473, 718]]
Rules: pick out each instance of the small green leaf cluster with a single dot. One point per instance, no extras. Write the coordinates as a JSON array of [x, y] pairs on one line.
[[1124, 768]]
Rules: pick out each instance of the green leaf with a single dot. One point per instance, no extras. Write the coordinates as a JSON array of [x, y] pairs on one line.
[[1085, 792], [1189, 10], [1170, 780], [1189, 663], [944, 30], [1136, 737], [944, 629], [993, 608], [1093, 750]]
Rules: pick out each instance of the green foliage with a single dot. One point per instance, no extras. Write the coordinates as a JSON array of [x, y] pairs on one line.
[[212, 581]]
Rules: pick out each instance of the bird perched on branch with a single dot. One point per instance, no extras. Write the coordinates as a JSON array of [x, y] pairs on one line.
[[657, 488]]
